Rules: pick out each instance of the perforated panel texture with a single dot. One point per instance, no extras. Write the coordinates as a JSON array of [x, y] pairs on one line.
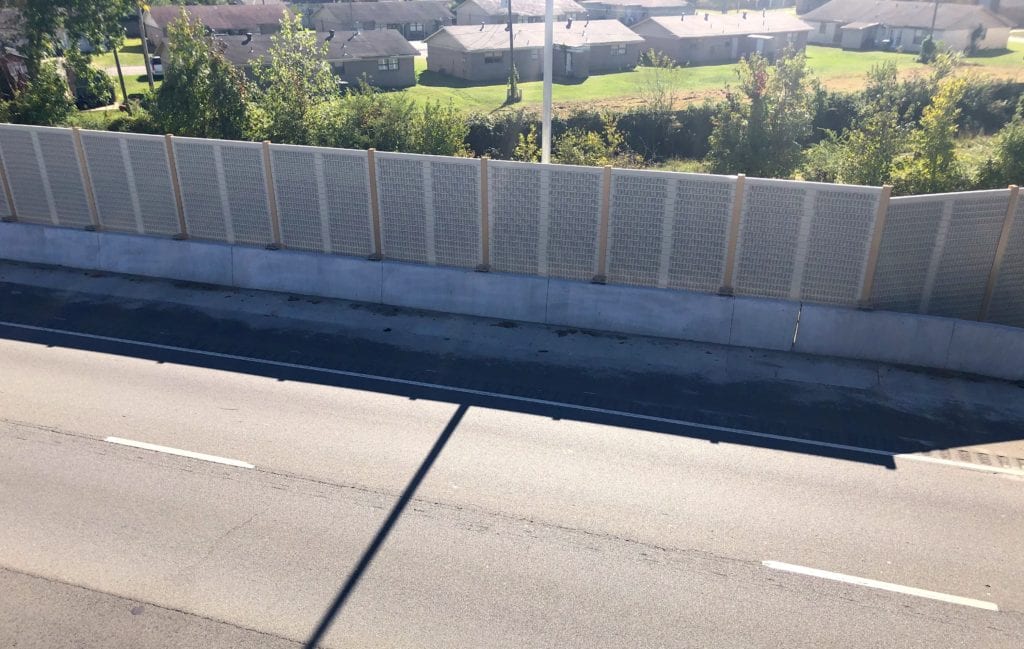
[[65, 177], [1007, 305], [769, 229], [24, 175], [905, 253], [515, 214], [840, 239]]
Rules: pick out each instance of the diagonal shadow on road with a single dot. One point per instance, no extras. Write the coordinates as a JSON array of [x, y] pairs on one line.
[[382, 534]]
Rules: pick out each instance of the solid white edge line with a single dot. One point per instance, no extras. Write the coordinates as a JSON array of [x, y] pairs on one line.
[[177, 451], [985, 468], [507, 397], [880, 585]]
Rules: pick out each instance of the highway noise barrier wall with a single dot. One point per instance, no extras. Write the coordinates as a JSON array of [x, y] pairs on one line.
[[680, 237]]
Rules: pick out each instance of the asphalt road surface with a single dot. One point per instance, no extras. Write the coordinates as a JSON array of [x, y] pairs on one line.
[[155, 497]]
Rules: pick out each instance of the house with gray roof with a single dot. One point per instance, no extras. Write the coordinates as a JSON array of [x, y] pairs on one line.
[[630, 12], [899, 24], [384, 58], [414, 19], [720, 38], [480, 52], [476, 12]]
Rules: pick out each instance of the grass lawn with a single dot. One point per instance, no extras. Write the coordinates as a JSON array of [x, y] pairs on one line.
[[837, 69], [130, 53]]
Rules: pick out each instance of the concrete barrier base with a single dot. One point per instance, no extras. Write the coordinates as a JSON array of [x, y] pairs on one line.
[[908, 339]]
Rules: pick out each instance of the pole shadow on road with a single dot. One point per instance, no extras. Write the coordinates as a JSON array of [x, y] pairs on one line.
[[382, 534]]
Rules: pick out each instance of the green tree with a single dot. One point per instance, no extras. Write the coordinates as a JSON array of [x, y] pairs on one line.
[[931, 164], [658, 97], [440, 129], [528, 148], [928, 50], [46, 21], [761, 125], [363, 119], [1006, 166], [93, 88], [580, 147], [45, 100], [202, 94], [295, 80], [866, 153]]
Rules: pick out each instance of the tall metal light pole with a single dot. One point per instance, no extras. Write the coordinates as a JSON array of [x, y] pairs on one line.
[[549, 56]]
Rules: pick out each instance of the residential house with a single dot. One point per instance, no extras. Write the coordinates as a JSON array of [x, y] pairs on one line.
[[13, 64], [221, 19], [383, 57], [481, 52], [476, 12], [1011, 9], [414, 19], [630, 12], [867, 24], [720, 38]]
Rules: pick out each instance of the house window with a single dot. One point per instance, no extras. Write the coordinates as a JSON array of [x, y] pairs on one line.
[[534, 54], [381, 28], [822, 28], [415, 27], [919, 35], [390, 63], [618, 49], [494, 57]]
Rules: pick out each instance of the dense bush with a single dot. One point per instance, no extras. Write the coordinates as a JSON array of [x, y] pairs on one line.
[[93, 88], [44, 101]]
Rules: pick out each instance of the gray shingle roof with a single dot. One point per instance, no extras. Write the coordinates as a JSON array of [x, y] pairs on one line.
[[529, 7], [372, 44], [220, 17], [396, 13], [900, 13], [482, 38], [718, 24]]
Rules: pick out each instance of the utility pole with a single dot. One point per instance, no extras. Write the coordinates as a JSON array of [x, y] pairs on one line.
[[120, 76], [513, 83], [145, 47], [935, 16]]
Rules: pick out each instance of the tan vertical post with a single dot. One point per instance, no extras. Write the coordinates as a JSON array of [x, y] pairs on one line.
[[485, 218], [172, 164], [602, 229], [876, 243], [378, 252], [9, 194], [83, 164], [997, 261], [275, 220], [734, 234]]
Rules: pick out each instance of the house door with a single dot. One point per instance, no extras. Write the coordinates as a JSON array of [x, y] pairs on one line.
[[568, 63], [837, 36]]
